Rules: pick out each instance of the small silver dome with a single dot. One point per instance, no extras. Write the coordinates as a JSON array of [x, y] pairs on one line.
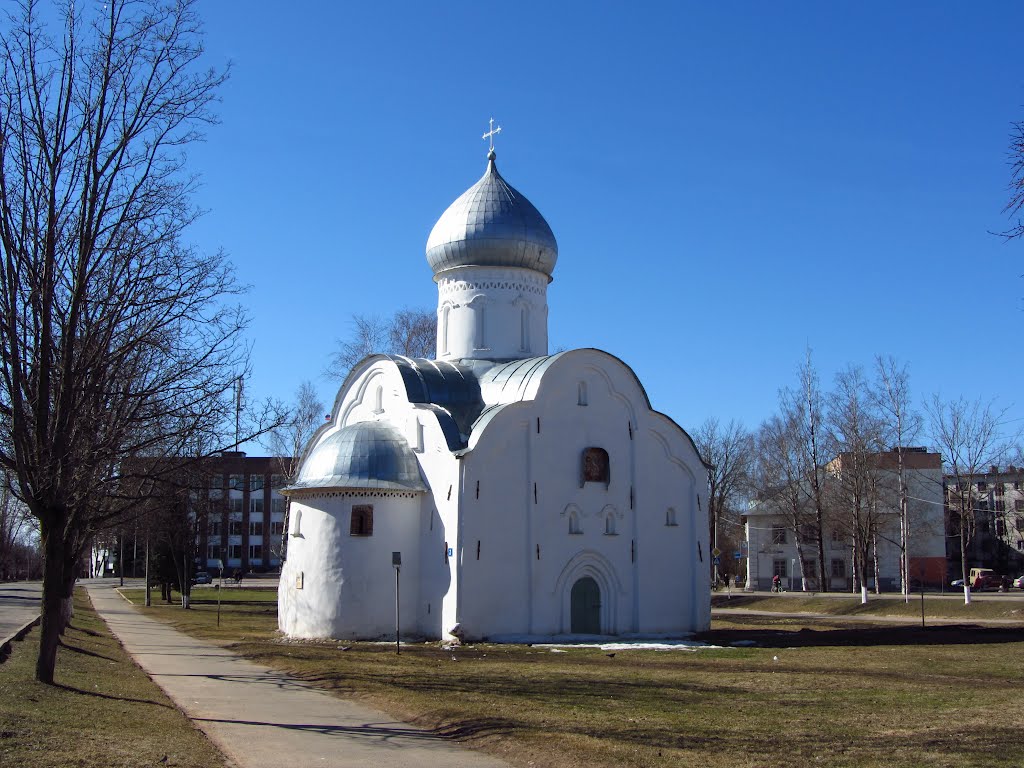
[[369, 454], [492, 225]]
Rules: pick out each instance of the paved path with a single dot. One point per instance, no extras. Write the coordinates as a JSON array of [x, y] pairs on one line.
[[19, 605], [260, 718]]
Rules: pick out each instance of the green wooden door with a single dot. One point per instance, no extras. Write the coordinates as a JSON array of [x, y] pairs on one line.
[[586, 607]]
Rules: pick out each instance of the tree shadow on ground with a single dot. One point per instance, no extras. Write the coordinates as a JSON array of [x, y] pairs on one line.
[[85, 652], [806, 637], [110, 697]]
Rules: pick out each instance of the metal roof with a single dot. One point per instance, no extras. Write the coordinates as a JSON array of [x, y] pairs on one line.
[[368, 454], [492, 224]]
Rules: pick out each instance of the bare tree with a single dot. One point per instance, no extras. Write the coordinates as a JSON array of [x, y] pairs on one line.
[[1016, 162], [781, 481], [117, 341], [287, 442], [804, 407], [728, 449], [902, 425], [969, 435], [856, 484], [14, 528], [409, 332]]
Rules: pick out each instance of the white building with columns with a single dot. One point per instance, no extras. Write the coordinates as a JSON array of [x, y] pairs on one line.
[[530, 495]]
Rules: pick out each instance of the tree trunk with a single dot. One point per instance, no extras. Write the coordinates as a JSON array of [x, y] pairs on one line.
[[52, 611], [801, 564], [874, 556], [963, 552]]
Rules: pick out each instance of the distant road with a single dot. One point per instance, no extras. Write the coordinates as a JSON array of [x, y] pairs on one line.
[[19, 604]]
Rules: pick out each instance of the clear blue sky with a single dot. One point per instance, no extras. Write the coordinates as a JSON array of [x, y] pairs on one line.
[[728, 182]]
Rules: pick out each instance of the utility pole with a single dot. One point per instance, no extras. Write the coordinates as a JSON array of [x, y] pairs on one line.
[[149, 601]]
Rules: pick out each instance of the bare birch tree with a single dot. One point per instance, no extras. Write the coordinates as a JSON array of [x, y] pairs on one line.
[[804, 407], [117, 341], [780, 479], [729, 450], [287, 442], [856, 484], [409, 332], [969, 435], [902, 425]]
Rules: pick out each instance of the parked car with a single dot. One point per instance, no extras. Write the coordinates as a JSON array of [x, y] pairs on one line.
[[957, 584], [202, 577], [1018, 583], [985, 578]]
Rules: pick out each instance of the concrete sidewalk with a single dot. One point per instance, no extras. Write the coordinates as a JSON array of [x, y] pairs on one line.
[[19, 612], [260, 718]]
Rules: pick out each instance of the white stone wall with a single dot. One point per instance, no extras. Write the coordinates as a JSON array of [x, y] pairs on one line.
[[649, 573], [491, 313], [338, 585], [503, 509]]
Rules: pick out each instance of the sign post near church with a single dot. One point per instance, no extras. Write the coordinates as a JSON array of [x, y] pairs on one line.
[[396, 561]]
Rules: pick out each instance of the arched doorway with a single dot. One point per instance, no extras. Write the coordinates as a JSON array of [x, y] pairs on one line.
[[586, 607]]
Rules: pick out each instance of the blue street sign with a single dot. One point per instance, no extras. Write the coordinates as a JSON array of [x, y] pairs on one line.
[[718, 560], [738, 555]]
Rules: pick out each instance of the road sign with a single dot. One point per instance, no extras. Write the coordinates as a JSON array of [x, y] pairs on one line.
[[716, 552], [717, 561], [738, 555]]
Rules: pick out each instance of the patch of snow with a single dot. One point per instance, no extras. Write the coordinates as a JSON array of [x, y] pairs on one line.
[[636, 645]]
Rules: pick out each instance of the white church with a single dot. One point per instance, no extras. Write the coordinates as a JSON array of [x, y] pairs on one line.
[[529, 496]]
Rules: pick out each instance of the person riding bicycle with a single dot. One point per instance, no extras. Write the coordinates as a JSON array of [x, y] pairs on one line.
[[776, 583]]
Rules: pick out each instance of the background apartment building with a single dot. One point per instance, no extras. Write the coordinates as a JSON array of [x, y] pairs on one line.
[[997, 538], [243, 525], [774, 538]]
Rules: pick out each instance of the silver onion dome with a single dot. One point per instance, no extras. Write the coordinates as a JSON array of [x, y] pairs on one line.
[[368, 454], [492, 225]]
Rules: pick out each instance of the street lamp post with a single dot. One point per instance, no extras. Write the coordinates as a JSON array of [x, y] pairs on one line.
[[396, 561]]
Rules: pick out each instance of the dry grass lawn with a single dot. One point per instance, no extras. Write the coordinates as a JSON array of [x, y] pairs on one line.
[[103, 712], [845, 695]]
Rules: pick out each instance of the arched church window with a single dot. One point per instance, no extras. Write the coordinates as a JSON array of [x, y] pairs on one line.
[[609, 524], [670, 516], [297, 525], [444, 329], [362, 520], [418, 436], [581, 394], [478, 304], [595, 466], [574, 523]]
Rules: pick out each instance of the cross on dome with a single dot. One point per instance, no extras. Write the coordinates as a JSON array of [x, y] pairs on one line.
[[491, 134]]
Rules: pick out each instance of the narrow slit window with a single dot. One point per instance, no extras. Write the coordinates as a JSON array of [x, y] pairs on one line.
[[443, 335]]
